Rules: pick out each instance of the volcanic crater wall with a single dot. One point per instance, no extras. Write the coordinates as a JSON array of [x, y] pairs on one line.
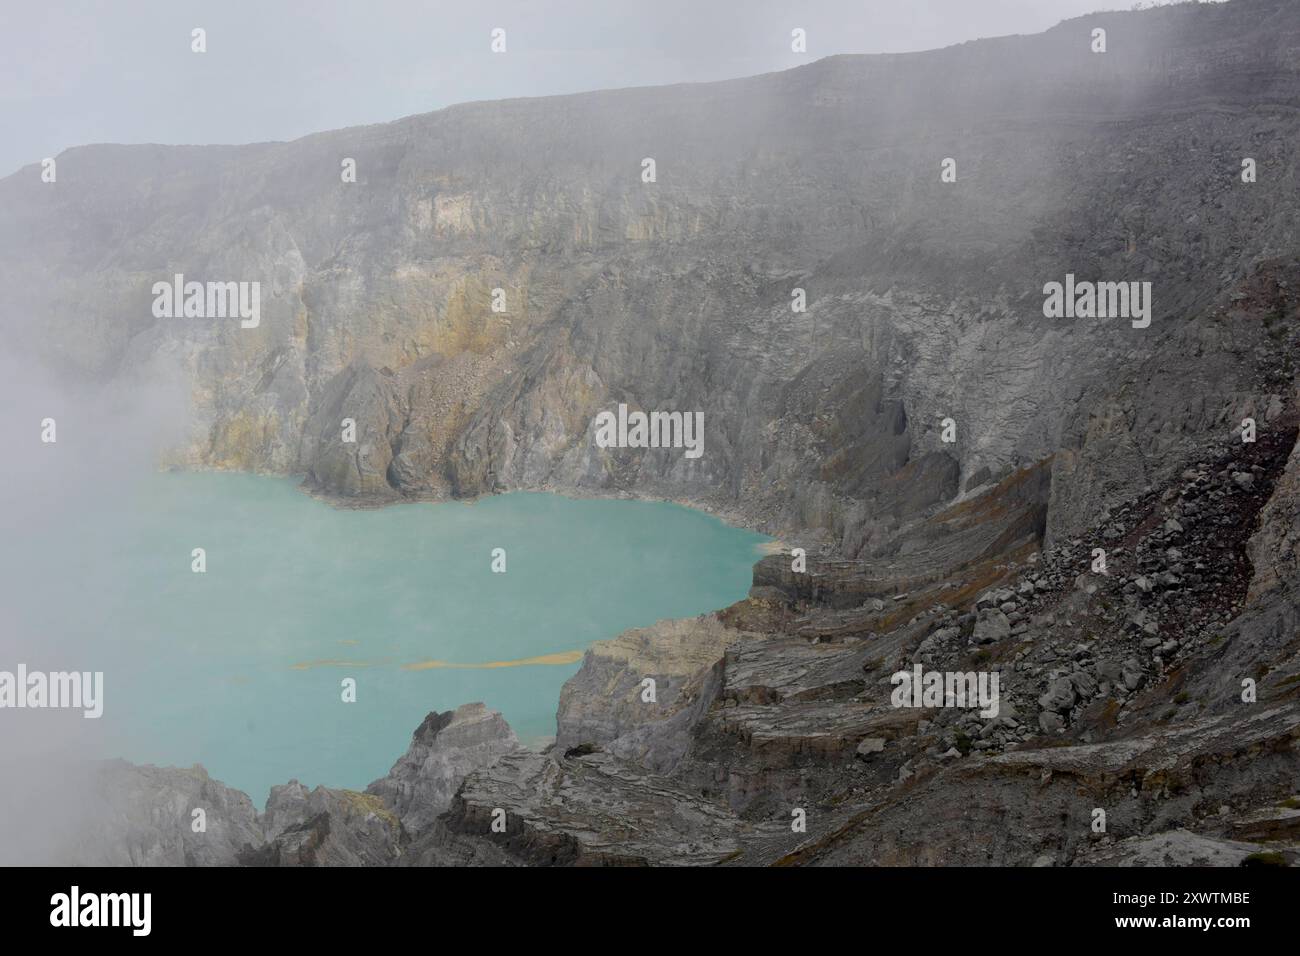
[[925, 297]]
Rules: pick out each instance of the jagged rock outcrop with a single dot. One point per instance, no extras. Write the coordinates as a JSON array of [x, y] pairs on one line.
[[444, 750], [592, 809], [607, 704], [325, 827], [142, 816], [145, 816]]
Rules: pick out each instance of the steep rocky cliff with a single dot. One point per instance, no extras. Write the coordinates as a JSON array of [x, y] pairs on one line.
[[924, 297]]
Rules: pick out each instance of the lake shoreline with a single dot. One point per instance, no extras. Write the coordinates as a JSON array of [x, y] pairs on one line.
[[732, 515], [428, 624]]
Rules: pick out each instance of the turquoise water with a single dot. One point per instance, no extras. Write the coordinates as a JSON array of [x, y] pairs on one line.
[[239, 668]]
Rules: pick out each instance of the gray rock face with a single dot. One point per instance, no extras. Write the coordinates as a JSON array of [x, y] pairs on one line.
[[444, 750], [1275, 548], [591, 810], [143, 814], [925, 297], [145, 817], [605, 704], [361, 468], [1175, 848], [1135, 428], [325, 827]]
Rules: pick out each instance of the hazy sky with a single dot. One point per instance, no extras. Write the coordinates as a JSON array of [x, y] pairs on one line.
[[121, 71]]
